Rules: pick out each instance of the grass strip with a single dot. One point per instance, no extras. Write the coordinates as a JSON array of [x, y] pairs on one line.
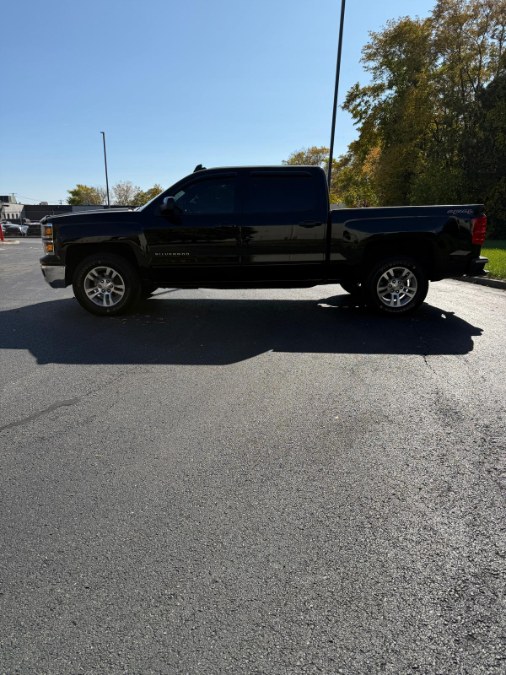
[[495, 251]]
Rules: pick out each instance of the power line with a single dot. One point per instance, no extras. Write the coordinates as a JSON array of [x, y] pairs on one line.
[[32, 199]]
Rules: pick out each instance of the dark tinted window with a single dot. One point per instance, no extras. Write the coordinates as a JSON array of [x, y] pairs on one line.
[[213, 195], [277, 194]]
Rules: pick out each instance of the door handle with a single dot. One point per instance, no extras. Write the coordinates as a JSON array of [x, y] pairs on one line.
[[309, 223]]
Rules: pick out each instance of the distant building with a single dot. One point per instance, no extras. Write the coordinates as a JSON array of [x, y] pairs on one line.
[[10, 209], [33, 213]]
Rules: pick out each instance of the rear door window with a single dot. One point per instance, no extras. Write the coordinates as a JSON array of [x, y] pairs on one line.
[[280, 193]]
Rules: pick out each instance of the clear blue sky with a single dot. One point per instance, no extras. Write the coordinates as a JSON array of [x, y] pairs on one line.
[[173, 84]]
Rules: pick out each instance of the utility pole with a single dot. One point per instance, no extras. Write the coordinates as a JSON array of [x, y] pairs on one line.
[[106, 177], [336, 90]]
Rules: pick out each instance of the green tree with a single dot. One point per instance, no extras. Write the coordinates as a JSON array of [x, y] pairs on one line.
[[468, 38], [486, 166], [86, 195], [354, 178], [420, 108], [393, 112], [144, 196]]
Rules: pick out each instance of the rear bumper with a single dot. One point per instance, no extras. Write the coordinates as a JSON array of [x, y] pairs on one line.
[[477, 267], [54, 275]]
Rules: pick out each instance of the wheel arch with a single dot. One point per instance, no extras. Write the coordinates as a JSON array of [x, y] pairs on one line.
[[76, 253], [421, 249]]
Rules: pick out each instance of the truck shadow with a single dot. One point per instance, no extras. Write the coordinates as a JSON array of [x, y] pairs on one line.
[[219, 332]]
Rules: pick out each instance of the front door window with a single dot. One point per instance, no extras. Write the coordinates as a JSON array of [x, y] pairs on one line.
[[211, 196]]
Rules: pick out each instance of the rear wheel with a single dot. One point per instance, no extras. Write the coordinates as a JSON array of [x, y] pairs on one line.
[[106, 284], [396, 285]]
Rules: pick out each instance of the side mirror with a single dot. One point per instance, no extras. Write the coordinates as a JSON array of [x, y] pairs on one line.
[[168, 206]]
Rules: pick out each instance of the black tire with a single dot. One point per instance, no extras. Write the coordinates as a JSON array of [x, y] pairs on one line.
[[352, 287], [396, 285], [106, 284]]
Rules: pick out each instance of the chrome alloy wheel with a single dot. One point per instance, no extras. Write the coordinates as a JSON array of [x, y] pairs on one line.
[[397, 286], [104, 286]]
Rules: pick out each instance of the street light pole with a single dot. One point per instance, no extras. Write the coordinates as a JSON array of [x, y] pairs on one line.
[[106, 177], [336, 89]]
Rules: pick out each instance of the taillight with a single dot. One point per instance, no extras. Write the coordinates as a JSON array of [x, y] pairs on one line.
[[479, 229]]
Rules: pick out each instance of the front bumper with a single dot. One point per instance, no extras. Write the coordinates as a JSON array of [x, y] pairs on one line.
[[477, 267], [54, 275]]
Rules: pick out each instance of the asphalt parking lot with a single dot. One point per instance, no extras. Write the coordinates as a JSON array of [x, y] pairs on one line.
[[264, 481]]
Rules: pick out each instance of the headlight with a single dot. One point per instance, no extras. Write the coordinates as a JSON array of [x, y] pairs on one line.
[[47, 238]]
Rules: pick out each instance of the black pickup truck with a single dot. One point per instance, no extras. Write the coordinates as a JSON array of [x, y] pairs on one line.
[[259, 227]]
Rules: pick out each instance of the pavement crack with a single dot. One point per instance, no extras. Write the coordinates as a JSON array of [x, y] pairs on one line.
[[62, 404], [30, 418], [424, 356]]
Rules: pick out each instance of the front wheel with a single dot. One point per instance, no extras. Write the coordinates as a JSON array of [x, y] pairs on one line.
[[397, 285], [106, 284]]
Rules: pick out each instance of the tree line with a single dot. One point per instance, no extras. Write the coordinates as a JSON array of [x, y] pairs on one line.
[[123, 193], [432, 121]]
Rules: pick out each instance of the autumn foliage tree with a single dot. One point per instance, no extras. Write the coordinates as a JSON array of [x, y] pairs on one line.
[[432, 121], [426, 107], [144, 196]]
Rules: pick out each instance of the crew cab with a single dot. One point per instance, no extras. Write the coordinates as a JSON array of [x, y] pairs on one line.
[[268, 226]]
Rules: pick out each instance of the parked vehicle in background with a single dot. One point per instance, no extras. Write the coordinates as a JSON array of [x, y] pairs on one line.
[[14, 229], [262, 227], [34, 229]]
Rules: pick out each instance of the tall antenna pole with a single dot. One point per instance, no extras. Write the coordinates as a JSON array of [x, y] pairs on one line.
[[106, 177], [336, 90]]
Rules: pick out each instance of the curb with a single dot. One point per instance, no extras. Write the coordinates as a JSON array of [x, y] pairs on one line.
[[483, 281]]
